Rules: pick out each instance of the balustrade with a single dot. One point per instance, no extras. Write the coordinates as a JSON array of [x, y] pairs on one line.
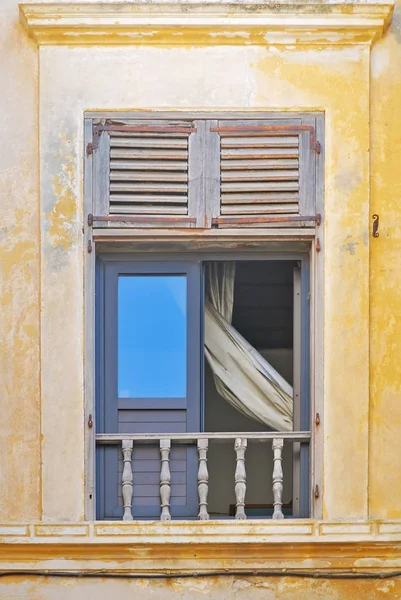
[[129, 442]]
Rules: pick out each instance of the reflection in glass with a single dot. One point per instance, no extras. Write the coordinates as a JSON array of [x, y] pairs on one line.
[[152, 336]]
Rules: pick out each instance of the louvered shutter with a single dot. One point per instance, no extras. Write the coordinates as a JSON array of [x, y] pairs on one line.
[[267, 169], [204, 173], [141, 171]]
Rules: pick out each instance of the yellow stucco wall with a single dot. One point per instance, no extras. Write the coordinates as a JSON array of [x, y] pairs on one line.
[[210, 78], [41, 250], [20, 497], [385, 275]]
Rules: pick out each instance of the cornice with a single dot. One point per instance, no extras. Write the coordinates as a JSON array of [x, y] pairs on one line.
[[207, 23]]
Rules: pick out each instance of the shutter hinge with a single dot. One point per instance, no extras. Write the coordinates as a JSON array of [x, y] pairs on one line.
[[317, 492], [317, 419], [89, 246], [90, 422], [89, 149], [90, 220], [318, 246], [318, 148]]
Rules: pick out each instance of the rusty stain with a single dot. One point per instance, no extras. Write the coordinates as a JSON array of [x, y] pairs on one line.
[[264, 219], [169, 129], [141, 219], [270, 130]]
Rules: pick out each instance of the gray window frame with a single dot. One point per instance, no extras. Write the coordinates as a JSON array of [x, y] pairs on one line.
[[284, 239]]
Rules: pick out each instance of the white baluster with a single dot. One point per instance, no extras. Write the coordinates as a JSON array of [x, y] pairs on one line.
[[240, 478], [277, 446], [127, 479], [203, 479], [165, 479]]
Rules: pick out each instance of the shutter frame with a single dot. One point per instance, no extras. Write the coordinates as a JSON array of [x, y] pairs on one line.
[[101, 175]]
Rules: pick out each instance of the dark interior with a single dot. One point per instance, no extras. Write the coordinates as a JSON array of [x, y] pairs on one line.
[[263, 302]]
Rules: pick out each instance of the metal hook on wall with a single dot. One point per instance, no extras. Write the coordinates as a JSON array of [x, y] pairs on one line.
[[375, 230]]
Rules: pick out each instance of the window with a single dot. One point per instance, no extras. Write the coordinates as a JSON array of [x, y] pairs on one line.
[[202, 354], [161, 363]]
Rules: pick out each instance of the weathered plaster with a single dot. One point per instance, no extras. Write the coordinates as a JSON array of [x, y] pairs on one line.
[[238, 588], [42, 278], [385, 277], [219, 78], [19, 273]]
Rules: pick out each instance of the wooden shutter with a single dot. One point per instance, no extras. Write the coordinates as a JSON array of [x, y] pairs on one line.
[[141, 172], [267, 170], [191, 171]]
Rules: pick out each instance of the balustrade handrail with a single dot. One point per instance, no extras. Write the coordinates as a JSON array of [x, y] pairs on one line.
[[193, 437]]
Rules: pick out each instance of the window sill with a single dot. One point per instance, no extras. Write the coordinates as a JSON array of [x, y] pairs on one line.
[[185, 546], [200, 24]]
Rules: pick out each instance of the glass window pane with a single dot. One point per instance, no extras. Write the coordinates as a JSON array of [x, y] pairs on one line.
[[152, 336]]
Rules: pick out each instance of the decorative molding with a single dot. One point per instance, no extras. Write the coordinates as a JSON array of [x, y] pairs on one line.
[[142, 547], [211, 23]]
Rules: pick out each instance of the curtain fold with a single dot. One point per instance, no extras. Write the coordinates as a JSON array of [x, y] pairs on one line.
[[242, 376]]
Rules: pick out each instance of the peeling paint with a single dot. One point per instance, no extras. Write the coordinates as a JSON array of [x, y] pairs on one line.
[[41, 298]]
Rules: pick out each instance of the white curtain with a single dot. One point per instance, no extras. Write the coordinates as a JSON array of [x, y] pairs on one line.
[[241, 375]]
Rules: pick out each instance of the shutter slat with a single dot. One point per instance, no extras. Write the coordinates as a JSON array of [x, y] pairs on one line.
[[272, 175], [141, 142], [140, 188], [149, 154], [149, 173], [147, 209], [258, 153], [259, 209], [149, 176], [151, 198], [273, 163], [259, 186], [148, 165], [272, 197], [260, 142]]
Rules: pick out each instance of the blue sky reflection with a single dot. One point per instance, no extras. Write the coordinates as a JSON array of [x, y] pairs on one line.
[[152, 336]]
